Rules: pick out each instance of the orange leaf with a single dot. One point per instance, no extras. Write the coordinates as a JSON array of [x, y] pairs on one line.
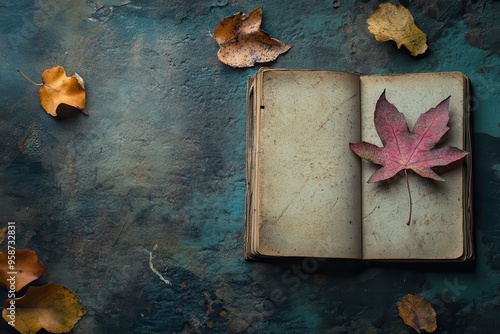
[[3, 232], [60, 94], [417, 313], [242, 43], [25, 268], [52, 306], [395, 22]]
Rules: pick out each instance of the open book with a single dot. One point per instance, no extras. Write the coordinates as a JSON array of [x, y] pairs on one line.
[[307, 193]]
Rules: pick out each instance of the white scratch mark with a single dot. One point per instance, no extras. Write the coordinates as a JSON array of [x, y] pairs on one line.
[[153, 269]]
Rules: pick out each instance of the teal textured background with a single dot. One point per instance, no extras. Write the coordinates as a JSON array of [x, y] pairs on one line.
[[161, 161]]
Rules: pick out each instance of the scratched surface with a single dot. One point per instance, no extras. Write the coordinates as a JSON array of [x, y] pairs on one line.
[[161, 161]]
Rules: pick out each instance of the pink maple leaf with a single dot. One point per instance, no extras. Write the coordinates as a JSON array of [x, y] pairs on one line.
[[402, 149]]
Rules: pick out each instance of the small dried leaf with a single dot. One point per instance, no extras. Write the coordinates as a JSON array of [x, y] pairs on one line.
[[57, 89], [417, 313], [395, 22], [242, 43], [25, 268], [3, 232], [52, 306]]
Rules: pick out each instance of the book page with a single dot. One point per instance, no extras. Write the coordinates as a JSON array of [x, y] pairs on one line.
[[308, 182], [437, 225]]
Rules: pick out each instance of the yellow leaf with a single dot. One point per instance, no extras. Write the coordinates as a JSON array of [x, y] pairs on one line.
[[25, 268], [395, 22], [58, 88], [242, 42], [59, 94], [417, 313], [52, 306]]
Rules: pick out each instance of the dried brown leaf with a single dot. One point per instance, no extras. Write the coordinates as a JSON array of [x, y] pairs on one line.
[[59, 93], [52, 306], [242, 42], [26, 267], [395, 22], [417, 313], [3, 232], [58, 89]]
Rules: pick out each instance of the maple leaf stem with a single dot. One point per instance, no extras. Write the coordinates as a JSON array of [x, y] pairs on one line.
[[409, 195], [26, 77]]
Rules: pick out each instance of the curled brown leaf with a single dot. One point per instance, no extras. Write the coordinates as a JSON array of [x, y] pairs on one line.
[[242, 42], [58, 92], [52, 306], [3, 232], [25, 268], [417, 313]]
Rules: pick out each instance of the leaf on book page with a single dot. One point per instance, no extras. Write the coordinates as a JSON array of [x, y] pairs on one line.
[[408, 150], [402, 149], [52, 306], [417, 313], [395, 22], [23, 268], [242, 42], [60, 95]]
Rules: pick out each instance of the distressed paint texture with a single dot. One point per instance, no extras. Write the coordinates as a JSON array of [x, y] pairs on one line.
[[161, 160]]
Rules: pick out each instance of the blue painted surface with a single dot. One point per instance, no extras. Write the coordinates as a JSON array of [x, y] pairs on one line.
[[161, 161]]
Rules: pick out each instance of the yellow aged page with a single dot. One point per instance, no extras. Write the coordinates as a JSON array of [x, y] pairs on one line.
[[308, 181], [436, 229]]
